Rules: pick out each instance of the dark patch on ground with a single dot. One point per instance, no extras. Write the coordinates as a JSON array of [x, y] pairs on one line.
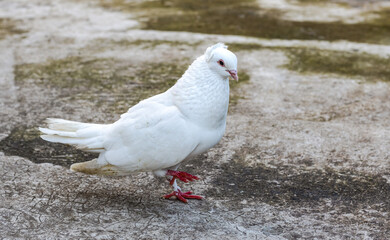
[[199, 166], [365, 66], [183, 5], [247, 18], [113, 85], [107, 74], [284, 187], [9, 27], [25, 142], [74, 72]]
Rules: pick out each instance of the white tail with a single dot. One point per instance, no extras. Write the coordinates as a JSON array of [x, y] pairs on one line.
[[85, 136]]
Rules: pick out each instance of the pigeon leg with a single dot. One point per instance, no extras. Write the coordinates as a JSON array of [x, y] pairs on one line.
[[183, 176], [179, 194]]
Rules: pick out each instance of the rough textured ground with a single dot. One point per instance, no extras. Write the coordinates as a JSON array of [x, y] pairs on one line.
[[305, 154]]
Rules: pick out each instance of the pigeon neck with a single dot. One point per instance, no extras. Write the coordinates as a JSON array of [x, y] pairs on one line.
[[202, 95]]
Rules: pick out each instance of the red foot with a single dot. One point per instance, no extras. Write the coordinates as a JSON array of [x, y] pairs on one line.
[[182, 196], [183, 176]]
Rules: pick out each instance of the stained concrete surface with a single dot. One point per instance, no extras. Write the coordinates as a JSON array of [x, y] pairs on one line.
[[305, 154]]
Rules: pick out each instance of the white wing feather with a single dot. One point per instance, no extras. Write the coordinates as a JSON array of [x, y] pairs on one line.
[[154, 135]]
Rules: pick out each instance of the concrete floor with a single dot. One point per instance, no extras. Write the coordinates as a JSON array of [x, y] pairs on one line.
[[305, 155]]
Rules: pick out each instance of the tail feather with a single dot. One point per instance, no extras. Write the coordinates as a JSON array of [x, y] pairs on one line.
[[85, 136], [67, 125], [51, 132]]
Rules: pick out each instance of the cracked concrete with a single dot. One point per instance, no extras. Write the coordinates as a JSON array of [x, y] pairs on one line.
[[305, 154]]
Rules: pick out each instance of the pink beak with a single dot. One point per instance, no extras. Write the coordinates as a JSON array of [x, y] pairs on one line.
[[233, 73]]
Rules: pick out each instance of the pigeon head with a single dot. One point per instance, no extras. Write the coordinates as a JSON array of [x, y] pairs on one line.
[[222, 61]]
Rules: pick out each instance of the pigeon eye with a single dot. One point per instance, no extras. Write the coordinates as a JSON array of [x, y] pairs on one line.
[[221, 63]]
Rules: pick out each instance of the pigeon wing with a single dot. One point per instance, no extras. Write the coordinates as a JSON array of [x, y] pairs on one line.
[[150, 137]]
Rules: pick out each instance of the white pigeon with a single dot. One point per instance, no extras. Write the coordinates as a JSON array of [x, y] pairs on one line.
[[160, 132]]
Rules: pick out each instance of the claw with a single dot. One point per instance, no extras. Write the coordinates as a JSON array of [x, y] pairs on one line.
[[183, 196]]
